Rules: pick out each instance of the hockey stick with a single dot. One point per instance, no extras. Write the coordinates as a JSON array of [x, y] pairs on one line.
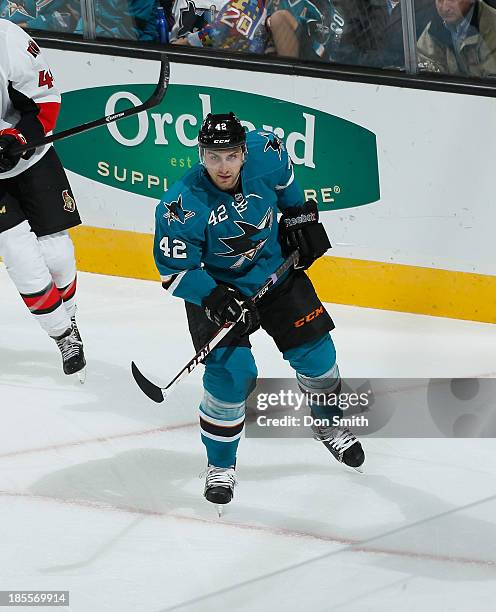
[[155, 99], [158, 394]]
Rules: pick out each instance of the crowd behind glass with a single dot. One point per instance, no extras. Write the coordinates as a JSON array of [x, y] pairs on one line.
[[452, 36]]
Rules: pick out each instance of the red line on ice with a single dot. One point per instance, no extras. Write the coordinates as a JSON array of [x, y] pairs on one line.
[[130, 434], [355, 544]]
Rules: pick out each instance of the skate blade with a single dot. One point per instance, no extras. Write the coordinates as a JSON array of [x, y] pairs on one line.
[[360, 469], [81, 376]]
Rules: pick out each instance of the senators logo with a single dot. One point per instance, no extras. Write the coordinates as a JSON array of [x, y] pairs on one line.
[[69, 203], [33, 49]]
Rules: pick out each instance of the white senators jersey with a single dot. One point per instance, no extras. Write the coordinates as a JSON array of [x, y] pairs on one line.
[[29, 100]]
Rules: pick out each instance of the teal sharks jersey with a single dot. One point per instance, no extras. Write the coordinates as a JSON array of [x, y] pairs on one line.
[[205, 236]]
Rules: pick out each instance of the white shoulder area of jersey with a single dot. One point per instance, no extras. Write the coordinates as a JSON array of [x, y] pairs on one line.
[[5, 25], [13, 40], [5, 29], [12, 30]]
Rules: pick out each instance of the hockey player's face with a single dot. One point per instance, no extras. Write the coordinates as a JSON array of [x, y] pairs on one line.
[[224, 167]]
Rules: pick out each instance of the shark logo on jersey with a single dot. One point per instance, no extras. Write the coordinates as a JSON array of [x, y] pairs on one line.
[[176, 212], [273, 143], [190, 19], [246, 245], [27, 9]]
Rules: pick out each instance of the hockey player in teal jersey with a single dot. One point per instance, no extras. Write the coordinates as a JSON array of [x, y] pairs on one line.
[[217, 240]]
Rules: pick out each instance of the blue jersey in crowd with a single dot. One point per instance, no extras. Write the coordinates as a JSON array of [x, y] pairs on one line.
[[54, 15], [204, 235]]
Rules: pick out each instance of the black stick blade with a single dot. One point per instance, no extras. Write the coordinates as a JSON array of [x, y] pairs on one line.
[[148, 388]]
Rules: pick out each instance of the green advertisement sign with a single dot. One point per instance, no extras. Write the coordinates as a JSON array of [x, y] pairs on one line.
[[335, 160]]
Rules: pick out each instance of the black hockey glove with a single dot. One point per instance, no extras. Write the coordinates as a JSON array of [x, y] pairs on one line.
[[299, 228], [226, 305], [8, 139]]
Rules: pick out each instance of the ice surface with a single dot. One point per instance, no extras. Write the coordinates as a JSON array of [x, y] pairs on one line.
[[100, 495]]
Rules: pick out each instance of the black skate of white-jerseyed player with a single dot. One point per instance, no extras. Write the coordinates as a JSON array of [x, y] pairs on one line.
[[71, 349], [75, 329], [342, 443], [219, 485]]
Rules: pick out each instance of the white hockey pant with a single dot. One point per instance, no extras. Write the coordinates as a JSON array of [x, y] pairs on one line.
[[44, 272]]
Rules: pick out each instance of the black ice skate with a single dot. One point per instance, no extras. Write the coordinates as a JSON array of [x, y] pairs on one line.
[[219, 485], [342, 443], [75, 329], [71, 349]]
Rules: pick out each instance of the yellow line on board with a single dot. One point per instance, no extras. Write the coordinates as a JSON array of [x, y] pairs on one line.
[[442, 293], [430, 291], [114, 252]]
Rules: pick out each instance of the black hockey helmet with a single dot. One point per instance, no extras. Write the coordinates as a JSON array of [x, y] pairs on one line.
[[221, 131]]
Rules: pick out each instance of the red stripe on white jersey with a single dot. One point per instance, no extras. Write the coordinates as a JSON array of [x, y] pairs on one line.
[[44, 301], [49, 111], [66, 293]]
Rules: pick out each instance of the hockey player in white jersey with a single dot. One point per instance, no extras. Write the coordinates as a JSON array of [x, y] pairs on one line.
[[37, 206]]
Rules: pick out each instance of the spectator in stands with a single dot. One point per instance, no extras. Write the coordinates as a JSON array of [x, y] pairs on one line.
[[393, 55], [125, 19], [307, 29], [286, 28], [52, 15], [363, 38], [460, 39], [190, 16], [235, 25], [374, 31], [338, 31]]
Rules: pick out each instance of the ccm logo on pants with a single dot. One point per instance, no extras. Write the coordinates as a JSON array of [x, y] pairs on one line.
[[309, 317]]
